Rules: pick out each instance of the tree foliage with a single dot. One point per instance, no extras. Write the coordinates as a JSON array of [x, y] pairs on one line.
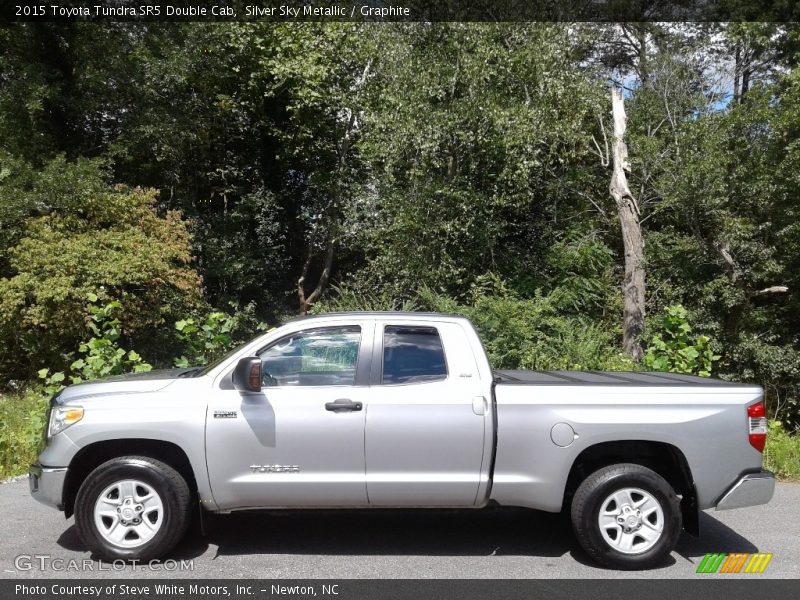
[[100, 355], [309, 166], [81, 236], [673, 349], [207, 337]]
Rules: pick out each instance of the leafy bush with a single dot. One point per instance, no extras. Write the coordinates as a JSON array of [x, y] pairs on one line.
[[518, 333], [532, 333], [76, 234], [760, 359], [205, 338], [673, 350], [22, 416], [782, 452], [344, 298], [101, 355], [584, 281]]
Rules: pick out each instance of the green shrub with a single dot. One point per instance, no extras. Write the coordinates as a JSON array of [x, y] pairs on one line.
[[205, 338], [518, 333], [101, 355], [75, 234], [532, 333], [583, 275], [343, 298], [672, 349], [22, 424], [782, 452]]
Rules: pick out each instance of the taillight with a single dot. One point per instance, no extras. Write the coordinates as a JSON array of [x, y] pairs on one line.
[[757, 424]]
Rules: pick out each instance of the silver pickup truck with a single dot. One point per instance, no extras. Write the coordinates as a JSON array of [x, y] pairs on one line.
[[399, 410]]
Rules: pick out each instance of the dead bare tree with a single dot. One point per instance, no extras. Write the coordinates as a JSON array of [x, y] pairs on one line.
[[633, 284]]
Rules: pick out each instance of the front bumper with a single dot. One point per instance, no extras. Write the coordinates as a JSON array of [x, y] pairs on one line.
[[751, 489], [47, 484]]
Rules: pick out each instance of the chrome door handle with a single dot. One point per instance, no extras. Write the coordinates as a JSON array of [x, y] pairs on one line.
[[343, 405]]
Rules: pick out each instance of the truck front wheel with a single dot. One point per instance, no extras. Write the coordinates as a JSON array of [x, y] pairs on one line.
[[132, 508], [626, 516]]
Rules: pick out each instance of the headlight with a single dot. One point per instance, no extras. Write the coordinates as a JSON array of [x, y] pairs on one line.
[[62, 417]]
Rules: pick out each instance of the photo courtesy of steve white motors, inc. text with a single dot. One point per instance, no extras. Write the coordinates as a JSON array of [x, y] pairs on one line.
[[170, 589]]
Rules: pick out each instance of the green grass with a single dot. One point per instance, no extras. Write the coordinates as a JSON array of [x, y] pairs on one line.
[[21, 423], [782, 454], [22, 420]]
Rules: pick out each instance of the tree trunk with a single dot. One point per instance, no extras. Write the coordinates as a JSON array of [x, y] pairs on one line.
[[737, 72], [644, 65], [307, 301], [633, 242], [333, 212]]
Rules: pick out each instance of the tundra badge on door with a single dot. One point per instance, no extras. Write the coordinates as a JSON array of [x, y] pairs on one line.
[[274, 468]]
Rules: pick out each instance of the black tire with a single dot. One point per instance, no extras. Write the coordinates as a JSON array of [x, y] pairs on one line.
[[587, 503], [168, 484]]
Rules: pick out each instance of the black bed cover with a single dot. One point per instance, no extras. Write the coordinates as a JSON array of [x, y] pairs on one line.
[[606, 378]]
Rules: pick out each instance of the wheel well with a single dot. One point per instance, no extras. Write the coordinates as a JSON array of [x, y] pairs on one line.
[[665, 459], [92, 456]]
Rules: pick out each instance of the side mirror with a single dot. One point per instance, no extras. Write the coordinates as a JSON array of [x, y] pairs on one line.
[[247, 374]]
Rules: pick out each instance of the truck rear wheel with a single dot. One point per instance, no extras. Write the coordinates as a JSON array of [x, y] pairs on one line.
[[626, 516], [132, 508]]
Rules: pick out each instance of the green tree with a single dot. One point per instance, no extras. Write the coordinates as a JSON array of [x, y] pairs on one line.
[[478, 137], [86, 236], [401, 165]]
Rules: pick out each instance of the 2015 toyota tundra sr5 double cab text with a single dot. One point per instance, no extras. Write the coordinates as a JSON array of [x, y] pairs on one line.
[[399, 410]]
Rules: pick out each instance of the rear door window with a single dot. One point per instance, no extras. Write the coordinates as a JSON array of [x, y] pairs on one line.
[[412, 355]]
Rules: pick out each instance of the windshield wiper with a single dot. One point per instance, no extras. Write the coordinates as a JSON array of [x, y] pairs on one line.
[[189, 372]]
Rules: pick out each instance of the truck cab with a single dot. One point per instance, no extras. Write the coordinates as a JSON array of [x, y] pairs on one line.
[[350, 412]]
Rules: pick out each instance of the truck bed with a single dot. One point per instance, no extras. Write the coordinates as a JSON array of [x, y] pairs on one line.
[[556, 415], [616, 378]]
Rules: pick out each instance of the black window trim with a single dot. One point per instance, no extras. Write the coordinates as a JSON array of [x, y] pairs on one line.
[[376, 371]]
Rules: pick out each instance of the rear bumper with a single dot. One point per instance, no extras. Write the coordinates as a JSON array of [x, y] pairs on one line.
[[751, 489], [47, 484]]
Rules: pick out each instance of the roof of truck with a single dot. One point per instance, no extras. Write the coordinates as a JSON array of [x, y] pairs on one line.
[[378, 313]]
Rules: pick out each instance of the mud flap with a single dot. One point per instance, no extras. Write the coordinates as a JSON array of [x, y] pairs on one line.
[[690, 514]]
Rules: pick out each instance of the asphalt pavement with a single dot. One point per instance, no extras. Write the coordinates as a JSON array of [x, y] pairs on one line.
[[491, 543]]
